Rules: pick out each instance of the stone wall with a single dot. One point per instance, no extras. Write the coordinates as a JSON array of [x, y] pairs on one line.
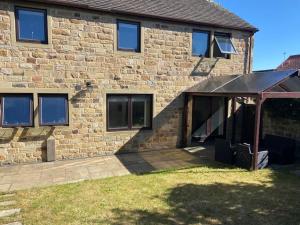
[[281, 127], [82, 47]]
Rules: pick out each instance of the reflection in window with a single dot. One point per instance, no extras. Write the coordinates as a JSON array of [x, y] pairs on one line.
[[53, 110], [31, 25], [128, 36], [118, 112], [141, 108], [200, 43], [16, 110], [127, 112], [223, 46]]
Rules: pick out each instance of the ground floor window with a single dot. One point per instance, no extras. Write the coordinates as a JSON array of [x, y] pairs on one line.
[[16, 110], [127, 112], [53, 110]]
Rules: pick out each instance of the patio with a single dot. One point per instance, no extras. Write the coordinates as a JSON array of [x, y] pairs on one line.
[[20, 177]]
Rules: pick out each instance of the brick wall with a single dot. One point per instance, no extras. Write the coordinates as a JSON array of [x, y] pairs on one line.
[[82, 48]]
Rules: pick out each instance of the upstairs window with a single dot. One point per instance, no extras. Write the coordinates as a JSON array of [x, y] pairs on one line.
[[201, 43], [31, 25], [223, 46], [127, 112], [54, 110], [129, 35], [16, 110]]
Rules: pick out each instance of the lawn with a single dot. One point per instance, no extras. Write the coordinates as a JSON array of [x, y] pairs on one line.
[[201, 195]]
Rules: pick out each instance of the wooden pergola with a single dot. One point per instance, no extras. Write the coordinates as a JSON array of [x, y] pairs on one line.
[[259, 86]]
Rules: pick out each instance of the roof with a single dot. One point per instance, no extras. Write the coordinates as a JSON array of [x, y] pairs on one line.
[[202, 12], [293, 62], [250, 84]]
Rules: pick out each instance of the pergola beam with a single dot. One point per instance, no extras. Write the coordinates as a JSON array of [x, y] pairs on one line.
[[267, 95]]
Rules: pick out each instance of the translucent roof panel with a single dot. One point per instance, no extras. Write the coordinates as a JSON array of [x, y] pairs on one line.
[[212, 83], [249, 84], [292, 84]]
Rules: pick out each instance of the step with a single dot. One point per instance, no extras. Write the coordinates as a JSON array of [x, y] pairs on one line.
[[14, 223], [9, 212], [7, 195], [7, 203]]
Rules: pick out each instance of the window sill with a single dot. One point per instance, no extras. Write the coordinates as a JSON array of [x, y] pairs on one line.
[[124, 52], [200, 57], [129, 131], [32, 45]]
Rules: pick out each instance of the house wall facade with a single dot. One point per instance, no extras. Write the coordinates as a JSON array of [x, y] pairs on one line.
[[82, 48]]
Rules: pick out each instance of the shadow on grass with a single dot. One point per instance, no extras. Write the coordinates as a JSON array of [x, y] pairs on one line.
[[276, 202]]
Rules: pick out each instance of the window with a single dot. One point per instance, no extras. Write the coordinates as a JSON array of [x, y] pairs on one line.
[[126, 112], [128, 36], [201, 43], [16, 110], [223, 46], [53, 110], [31, 25]]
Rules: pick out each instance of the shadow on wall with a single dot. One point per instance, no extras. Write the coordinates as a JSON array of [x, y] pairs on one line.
[[198, 70], [166, 130], [220, 203], [27, 135]]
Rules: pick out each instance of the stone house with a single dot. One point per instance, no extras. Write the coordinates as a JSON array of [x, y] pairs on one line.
[[97, 77]]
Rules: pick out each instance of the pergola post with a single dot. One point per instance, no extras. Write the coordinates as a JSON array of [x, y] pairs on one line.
[[187, 120], [259, 102], [233, 119]]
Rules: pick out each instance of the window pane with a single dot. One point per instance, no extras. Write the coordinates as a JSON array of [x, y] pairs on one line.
[[200, 43], [141, 111], [118, 112], [225, 45], [128, 36], [32, 25], [17, 110], [54, 110]]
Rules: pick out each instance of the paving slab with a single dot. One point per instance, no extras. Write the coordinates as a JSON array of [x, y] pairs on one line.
[[7, 203], [21, 177], [14, 223], [9, 212]]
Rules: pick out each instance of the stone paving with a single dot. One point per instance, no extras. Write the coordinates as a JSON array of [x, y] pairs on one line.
[[60, 172], [9, 212]]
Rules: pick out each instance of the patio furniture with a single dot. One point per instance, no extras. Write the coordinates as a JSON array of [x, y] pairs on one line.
[[244, 157], [224, 152], [281, 149]]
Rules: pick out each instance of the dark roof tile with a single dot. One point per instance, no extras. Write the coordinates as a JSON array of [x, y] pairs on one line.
[[293, 62], [189, 11]]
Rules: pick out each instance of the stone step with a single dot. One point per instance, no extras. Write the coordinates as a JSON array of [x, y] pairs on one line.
[[9, 212], [7, 195], [7, 203], [14, 223]]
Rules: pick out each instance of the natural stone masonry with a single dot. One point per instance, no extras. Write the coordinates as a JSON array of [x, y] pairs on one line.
[[82, 47]]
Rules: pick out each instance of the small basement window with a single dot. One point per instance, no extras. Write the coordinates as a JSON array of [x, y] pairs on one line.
[[128, 112], [31, 25], [129, 36], [54, 110], [200, 42], [17, 110], [223, 46]]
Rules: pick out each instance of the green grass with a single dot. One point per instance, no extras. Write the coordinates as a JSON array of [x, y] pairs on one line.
[[202, 195]]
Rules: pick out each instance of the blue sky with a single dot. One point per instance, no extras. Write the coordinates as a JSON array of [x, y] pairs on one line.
[[278, 22]]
